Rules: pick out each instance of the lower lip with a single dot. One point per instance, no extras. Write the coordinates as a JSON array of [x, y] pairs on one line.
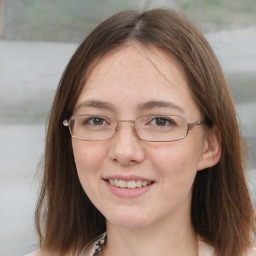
[[128, 192]]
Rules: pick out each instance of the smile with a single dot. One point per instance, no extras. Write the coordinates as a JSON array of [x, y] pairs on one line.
[[129, 184]]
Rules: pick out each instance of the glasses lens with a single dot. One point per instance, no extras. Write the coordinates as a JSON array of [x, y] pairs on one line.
[[161, 128], [89, 127]]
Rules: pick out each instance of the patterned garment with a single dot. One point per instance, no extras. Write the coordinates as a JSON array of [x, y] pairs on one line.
[[94, 248]]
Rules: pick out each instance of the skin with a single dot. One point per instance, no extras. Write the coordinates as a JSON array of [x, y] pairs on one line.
[[158, 221]]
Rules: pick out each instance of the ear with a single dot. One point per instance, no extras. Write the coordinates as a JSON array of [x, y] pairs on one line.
[[211, 149]]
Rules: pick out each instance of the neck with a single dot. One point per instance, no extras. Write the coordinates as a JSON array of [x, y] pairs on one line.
[[173, 239]]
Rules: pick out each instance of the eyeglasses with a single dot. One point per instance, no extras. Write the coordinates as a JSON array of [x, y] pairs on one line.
[[162, 128]]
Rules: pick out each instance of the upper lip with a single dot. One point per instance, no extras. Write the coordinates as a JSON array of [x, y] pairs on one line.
[[126, 178]]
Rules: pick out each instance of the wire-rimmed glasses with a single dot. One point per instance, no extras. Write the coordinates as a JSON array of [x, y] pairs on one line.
[[154, 128]]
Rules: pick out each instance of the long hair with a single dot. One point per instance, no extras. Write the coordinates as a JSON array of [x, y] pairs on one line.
[[221, 209]]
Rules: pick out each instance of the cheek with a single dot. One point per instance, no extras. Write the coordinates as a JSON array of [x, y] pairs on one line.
[[177, 160], [88, 157]]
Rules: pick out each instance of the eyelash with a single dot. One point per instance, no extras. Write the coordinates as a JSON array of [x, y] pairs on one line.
[[91, 119], [163, 118], [152, 121]]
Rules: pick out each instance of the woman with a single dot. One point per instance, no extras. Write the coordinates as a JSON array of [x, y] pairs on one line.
[[154, 163]]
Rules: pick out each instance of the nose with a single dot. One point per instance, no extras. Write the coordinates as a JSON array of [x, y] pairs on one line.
[[126, 148]]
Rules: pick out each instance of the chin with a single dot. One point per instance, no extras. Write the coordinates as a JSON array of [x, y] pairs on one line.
[[130, 224], [131, 220]]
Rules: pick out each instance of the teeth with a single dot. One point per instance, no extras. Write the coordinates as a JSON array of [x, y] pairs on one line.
[[139, 183], [144, 183], [122, 183], [129, 183]]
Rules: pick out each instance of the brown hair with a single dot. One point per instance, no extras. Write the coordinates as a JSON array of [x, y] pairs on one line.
[[221, 211]]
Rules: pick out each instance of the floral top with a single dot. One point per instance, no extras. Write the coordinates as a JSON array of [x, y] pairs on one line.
[[95, 246]]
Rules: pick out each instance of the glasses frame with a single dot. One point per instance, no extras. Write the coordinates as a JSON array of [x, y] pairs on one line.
[[190, 126]]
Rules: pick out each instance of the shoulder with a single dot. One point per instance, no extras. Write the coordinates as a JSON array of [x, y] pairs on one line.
[[207, 250], [41, 252], [251, 252], [90, 249], [36, 253]]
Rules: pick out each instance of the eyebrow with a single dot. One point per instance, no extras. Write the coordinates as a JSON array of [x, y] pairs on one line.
[[96, 104], [160, 104], [141, 107]]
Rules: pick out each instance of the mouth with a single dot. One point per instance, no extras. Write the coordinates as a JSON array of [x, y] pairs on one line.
[[129, 184]]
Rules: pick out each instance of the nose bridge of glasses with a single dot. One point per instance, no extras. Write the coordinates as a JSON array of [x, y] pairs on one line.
[[124, 121]]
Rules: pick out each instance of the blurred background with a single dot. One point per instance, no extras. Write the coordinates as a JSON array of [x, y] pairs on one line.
[[37, 38]]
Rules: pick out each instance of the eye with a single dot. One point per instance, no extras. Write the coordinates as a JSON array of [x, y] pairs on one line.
[[95, 121], [162, 121]]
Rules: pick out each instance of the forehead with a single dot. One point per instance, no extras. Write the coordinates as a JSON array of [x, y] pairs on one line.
[[134, 74], [135, 59]]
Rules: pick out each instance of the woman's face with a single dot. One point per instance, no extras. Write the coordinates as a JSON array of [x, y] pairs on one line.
[[127, 83]]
